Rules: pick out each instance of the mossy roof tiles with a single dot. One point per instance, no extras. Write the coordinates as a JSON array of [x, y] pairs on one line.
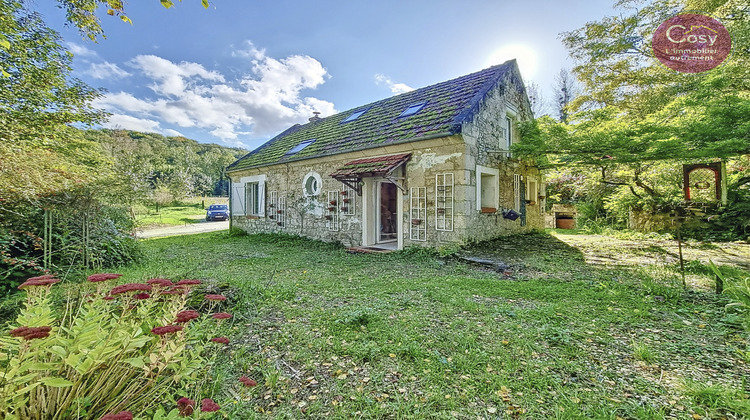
[[448, 105]]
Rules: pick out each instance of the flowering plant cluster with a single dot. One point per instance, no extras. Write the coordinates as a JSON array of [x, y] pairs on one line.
[[116, 352]]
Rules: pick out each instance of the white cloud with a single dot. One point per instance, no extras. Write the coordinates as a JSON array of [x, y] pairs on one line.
[[119, 121], [396, 88], [171, 78], [106, 70], [172, 133], [263, 102], [80, 50]]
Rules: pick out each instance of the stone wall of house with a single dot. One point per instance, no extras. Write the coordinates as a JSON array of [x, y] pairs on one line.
[[431, 161], [485, 138], [306, 216]]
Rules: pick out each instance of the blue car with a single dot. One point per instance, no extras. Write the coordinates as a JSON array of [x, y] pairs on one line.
[[217, 212]]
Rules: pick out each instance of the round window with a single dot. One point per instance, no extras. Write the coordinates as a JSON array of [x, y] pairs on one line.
[[312, 184]]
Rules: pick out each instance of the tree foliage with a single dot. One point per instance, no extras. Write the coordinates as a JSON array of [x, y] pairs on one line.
[[633, 109], [636, 121], [82, 13], [39, 152], [147, 162]]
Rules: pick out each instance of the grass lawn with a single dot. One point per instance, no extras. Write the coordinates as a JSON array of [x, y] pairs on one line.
[[410, 335], [192, 211]]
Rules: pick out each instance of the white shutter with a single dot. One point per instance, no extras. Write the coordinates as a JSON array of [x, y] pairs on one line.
[[517, 192], [238, 199], [261, 198]]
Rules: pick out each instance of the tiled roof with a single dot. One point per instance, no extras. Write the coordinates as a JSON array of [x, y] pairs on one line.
[[371, 166], [447, 105]]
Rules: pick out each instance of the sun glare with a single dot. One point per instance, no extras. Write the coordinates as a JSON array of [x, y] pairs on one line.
[[528, 60]]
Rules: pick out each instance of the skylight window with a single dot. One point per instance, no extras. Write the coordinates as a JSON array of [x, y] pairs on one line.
[[354, 116], [298, 148], [413, 109]]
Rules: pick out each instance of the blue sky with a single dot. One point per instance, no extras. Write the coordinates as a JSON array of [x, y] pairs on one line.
[[242, 71]]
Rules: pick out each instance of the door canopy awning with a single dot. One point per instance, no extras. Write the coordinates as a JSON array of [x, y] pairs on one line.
[[351, 173]]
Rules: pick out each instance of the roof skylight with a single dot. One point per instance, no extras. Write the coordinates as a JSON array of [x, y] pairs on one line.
[[354, 116], [413, 109], [298, 148]]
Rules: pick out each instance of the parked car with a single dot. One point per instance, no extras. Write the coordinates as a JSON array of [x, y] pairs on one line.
[[217, 212]]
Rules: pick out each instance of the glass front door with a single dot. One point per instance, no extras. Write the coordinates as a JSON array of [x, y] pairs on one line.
[[388, 214]]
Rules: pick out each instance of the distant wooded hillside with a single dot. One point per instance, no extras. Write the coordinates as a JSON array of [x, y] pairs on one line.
[[151, 162]]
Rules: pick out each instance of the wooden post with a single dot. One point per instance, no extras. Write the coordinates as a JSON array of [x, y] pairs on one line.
[[682, 261]]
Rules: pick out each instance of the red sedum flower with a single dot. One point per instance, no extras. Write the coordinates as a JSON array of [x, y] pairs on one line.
[[209, 406], [222, 340], [122, 415], [43, 277], [188, 282], [216, 297], [45, 280], [130, 287], [185, 406], [221, 315], [30, 333], [167, 329], [95, 278], [187, 315], [174, 290], [247, 381], [160, 282], [141, 296]]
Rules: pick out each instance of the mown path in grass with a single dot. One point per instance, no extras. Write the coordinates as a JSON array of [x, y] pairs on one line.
[[411, 335], [606, 250]]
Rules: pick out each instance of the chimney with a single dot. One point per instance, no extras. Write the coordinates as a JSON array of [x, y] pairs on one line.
[[315, 117]]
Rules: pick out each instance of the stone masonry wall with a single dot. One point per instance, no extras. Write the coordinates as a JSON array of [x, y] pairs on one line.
[[305, 216], [458, 155], [484, 136]]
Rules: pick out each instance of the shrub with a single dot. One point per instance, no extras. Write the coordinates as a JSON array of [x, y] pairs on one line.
[[132, 347]]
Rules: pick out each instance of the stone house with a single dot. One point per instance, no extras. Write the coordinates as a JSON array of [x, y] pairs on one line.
[[430, 167]]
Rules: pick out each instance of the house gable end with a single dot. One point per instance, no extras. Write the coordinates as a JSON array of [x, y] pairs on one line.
[[447, 105]]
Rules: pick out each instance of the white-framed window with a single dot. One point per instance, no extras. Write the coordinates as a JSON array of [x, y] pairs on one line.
[[532, 189], [312, 184], [248, 196], [517, 192], [488, 188], [444, 201], [509, 130], [282, 214], [418, 213], [252, 198]]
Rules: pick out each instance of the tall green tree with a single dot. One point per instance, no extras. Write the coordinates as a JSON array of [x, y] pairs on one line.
[[636, 121], [50, 175], [634, 109], [39, 151]]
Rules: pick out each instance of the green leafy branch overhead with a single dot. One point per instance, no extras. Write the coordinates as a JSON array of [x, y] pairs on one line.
[[82, 13], [633, 109]]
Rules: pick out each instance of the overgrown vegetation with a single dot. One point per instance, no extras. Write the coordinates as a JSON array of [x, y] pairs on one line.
[[618, 148], [562, 334], [68, 196], [125, 349]]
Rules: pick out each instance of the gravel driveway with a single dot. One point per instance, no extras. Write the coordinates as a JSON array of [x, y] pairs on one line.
[[201, 227]]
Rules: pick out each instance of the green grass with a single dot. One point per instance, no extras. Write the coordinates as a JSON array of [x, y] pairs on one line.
[[411, 335], [192, 211]]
